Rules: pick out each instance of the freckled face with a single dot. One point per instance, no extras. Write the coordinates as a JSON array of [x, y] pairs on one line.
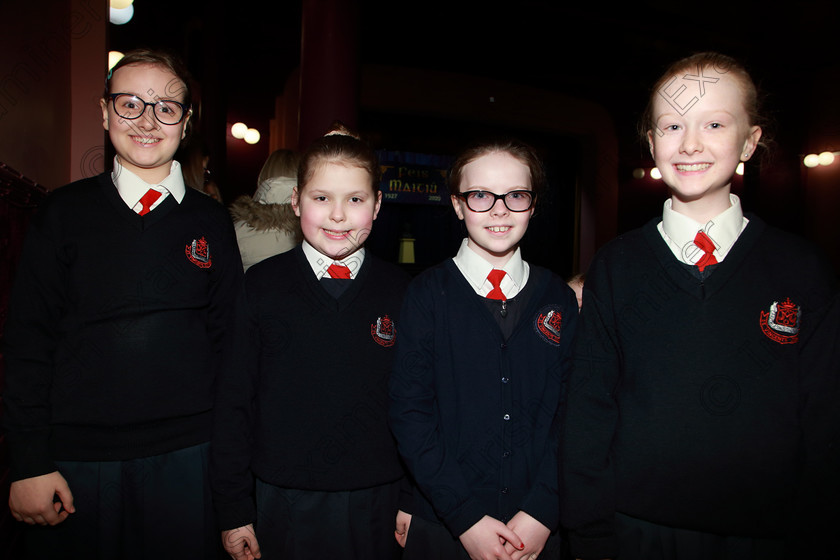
[[144, 145], [698, 151], [336, 208], [495, 234]]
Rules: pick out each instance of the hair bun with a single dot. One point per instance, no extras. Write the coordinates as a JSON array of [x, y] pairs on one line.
[[337, 128]]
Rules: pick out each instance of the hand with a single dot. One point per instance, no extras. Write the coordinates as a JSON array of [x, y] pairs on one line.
[[486, 540], [533, 533], [403, 523], [31, 499], [241, 543]]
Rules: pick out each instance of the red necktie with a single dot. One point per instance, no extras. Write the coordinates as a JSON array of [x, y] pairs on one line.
[[707, 245], [338, 271], [495, 278], [148, 199]]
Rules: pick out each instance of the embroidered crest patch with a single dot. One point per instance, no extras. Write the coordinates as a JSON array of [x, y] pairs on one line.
[[547, 324], [199, 253], [383, 331], [781, 323]]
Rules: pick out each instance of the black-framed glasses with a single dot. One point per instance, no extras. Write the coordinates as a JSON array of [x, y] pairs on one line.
[[166, 111], [483, 201]]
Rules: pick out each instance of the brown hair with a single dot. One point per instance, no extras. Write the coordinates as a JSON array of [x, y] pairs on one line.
[[722, 64], [191, 158], [340, 146], [523, 152], [155, 57]]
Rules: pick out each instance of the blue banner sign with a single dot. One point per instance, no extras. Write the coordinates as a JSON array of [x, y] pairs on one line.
[[412, 178]]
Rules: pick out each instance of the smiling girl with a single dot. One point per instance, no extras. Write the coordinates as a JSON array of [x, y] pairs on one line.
[[114, 338], [302, 407], [476, 388], [696, 398]]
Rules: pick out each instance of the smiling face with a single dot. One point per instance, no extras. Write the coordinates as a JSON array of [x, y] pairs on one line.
[[495, 234], [700, 136], [144, 145], [336, 208]]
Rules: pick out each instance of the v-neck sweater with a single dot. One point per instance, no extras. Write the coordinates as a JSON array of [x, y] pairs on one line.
[[115, 327], [303, 400], [688, 406]]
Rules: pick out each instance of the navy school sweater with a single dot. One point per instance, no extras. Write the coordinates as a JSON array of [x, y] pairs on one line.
[[694, 403], [476, 414], [115, 327], [303, 400]]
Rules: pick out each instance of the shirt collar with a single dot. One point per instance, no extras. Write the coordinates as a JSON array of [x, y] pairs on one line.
[[320, 263], [678, 230], [475, 269], [131, 187]]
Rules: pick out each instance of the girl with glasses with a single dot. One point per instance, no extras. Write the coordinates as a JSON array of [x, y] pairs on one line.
[[113, 338], [475, 390]]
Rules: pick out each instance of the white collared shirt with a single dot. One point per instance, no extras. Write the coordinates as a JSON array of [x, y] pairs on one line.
[[320, 263], [678, 230], [475, 269], [132, 188]]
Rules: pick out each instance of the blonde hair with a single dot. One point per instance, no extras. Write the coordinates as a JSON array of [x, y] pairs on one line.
[[280, 163], [722, 64]]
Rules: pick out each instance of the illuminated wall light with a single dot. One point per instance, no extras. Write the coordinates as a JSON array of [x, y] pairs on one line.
[[826, 158], [121, 16], [740, 169], [113, 58], [655, 173], [638, 173], [121, 4], [811, 160], [252, 136], [238, 130]]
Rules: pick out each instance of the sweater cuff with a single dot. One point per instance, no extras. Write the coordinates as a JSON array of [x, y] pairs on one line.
[[235, 514], [406, 499], [29, 458], [465, 517], [545, 508]]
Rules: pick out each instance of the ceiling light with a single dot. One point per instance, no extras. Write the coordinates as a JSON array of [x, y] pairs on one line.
[[113, 58], [238, 130], [121, 16], [252, 136], [826, 158]]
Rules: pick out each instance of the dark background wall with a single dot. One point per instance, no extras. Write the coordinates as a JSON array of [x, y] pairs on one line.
[[427, 76]]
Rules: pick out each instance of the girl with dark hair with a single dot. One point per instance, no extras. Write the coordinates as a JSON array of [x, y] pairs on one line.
[[304, 465], [476, 388]]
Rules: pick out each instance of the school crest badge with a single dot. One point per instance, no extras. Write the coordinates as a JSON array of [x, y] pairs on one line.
[[548, 323], [383, 331], [781, 323], [199, 253]]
